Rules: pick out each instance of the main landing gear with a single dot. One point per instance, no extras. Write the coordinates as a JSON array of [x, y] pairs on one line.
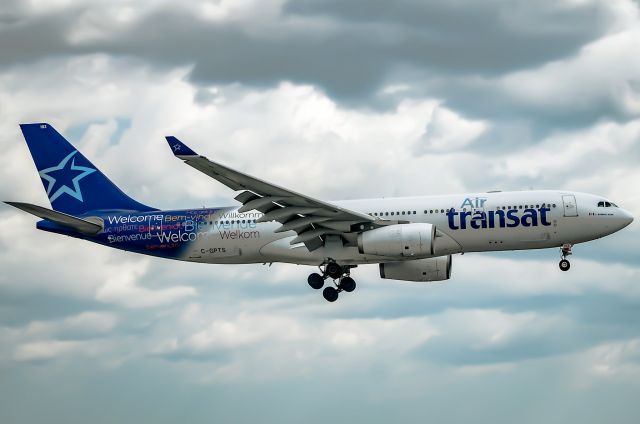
[[335, 272], [565, 251]]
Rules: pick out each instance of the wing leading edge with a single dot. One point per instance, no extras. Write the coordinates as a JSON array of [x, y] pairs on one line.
[[310, 218]]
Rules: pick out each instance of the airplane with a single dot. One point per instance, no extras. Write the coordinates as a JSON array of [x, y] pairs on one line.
[[410, 238]]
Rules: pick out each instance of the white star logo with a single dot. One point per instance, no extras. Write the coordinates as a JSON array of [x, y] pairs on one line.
[[65, 173], [176, 147]]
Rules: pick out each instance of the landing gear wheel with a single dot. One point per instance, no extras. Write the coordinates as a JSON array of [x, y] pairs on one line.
[[564, 265], [316, 281], [333, 270], [348, 284], [330, 294]]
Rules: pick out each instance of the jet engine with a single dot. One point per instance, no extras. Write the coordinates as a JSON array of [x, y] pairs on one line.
[[399, 240], [430, 269]]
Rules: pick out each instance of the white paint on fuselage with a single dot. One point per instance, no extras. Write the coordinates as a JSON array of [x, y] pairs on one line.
[[591, 222]]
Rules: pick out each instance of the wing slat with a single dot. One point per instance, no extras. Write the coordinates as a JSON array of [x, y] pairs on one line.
[[286, 212], [309, 235], [296, 224], [246, 196], [260, 201]]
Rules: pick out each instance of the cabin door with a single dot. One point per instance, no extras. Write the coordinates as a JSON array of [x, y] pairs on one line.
[[569, 203]]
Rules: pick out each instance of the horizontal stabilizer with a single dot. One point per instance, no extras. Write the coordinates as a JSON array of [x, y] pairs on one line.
[[78, 224]]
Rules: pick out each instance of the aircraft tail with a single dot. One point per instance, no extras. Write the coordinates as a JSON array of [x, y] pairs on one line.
[[73, 184]]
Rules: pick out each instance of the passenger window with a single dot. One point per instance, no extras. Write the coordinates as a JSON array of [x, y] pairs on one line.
[[431, 211], [441, 210], [402, 212]]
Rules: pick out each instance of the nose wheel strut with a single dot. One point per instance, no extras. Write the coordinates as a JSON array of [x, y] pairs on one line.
[[565, 251]]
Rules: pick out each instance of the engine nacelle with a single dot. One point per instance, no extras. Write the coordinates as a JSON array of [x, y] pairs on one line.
[[429, 269], [399, 240]]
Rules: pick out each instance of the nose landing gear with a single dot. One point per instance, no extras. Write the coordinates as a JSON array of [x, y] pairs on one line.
[[336, 272], [565, 251]]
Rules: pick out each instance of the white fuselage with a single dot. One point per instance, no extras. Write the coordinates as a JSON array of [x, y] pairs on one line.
[[474, 222]]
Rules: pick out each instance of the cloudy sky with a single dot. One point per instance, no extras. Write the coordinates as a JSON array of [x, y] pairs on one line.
[[337, 99]]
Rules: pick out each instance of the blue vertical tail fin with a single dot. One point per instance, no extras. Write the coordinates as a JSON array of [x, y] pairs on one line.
[[73, 184]]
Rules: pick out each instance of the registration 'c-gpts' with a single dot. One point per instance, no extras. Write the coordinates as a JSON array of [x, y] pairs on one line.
[[411, 238]]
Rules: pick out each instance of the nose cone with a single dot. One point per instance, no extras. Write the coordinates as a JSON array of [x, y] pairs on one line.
[[624, 218], [627, 218]]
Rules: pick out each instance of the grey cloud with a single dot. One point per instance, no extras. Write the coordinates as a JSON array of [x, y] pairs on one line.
[[518, 122], [31, 39], [453, 51], [467, 36], [594, 319], [350, 59], [18, 309], [210, 356]]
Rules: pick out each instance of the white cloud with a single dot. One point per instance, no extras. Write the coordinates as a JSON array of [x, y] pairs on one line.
[[51, 349], [575, 158], [620, 360], [602, 72], [95, 323], [447, 131], [121, 287]]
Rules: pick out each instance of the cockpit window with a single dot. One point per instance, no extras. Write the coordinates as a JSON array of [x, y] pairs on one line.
[[603, 204]]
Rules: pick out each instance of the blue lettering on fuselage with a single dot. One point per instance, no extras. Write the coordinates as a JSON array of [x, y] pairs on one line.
[[509, 218], [473, 202], [171, 233]]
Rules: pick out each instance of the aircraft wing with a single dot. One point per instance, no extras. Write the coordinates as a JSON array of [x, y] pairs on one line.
[[310, 218]]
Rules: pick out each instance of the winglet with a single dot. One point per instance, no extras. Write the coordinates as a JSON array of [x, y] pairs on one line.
[[179, 148]]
